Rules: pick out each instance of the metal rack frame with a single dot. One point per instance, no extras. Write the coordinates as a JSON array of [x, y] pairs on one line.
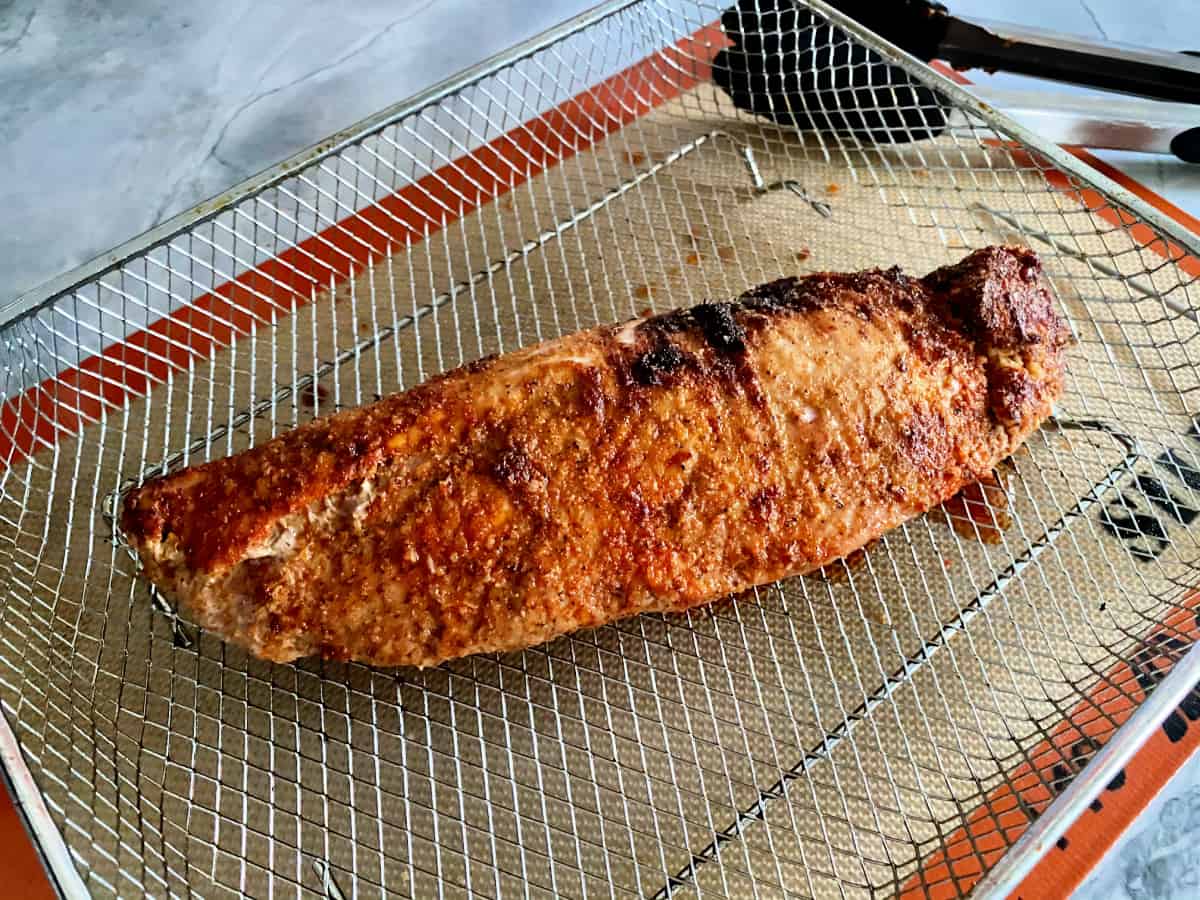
[[1060, 814]]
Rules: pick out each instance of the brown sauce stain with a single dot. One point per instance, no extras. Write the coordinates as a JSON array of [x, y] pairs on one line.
[[980, 511], [644, 291], [726, 254], [693, 259], [832, 188], [634, 158], [312, 394]]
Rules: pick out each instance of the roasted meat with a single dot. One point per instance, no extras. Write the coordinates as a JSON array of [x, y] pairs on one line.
[[650, 466]]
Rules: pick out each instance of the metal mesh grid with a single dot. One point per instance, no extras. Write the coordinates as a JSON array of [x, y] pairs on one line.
[[821, 737]]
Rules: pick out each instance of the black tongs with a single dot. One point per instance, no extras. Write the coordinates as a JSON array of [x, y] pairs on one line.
[[789, 64], [928, 31]]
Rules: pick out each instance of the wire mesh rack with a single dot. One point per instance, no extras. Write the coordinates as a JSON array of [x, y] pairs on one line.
[[889, 726]]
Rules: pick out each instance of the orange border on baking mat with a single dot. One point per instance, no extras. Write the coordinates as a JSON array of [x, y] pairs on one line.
[[1096, 203], [1008, 811], [990, 829], [23, 873]]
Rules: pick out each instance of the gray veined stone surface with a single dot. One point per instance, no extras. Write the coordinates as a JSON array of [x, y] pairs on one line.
[[114, 117], [1156, 858]]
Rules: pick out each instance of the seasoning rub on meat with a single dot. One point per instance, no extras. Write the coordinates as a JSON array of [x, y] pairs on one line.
[[654, 465]]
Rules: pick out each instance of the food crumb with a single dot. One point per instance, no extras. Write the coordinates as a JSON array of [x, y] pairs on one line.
[[647, 313], [802, 254], [692, 259], [832, 188], [643, 291], [635, 158]]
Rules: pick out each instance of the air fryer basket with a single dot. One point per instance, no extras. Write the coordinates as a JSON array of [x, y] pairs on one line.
[[891, 725]]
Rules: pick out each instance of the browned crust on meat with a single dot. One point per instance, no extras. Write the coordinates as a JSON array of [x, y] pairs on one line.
[[653, 465]]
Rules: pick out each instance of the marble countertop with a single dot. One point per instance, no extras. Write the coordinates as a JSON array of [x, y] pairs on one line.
[[117, 116], [113, 117]]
